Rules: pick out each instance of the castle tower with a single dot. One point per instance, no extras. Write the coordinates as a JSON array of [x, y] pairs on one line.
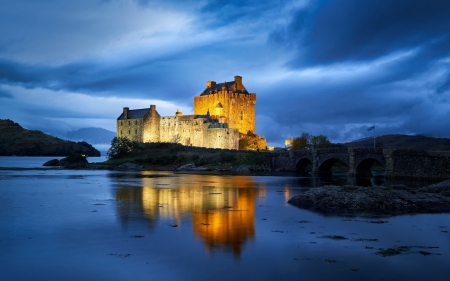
[[228, 102]]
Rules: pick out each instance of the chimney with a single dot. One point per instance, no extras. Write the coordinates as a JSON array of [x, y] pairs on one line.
[[238, 82], [152, 107], [210, 84], [125, 112]]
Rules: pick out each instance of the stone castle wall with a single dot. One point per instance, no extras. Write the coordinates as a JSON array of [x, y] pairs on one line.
[[238, 110], [220, 115], [131, 129], [189, 130], [151, 131]]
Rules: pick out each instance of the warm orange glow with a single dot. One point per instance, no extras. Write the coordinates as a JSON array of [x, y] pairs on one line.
[[222, 209]]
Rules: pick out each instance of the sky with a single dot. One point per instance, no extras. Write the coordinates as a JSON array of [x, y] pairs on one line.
[[331, 67]]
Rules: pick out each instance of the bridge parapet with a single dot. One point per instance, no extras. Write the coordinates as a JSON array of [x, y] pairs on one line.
[[398, 163], [412, 163]]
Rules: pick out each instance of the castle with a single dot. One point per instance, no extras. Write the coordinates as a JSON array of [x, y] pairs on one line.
[[224, 113]]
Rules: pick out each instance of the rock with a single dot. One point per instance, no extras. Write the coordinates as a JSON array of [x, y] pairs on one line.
[[69, 161], [191, 167], [374, 200], [53, 162], [250, 168], [129, 166], [241, 168], [186, 167]]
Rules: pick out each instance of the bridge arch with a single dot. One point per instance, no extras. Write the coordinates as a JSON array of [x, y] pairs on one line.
[[326, 166], [364, 167], [304, 166]]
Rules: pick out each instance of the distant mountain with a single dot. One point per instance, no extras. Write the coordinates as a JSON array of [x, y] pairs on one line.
[[15, 140], [91, 135], [404, 141]]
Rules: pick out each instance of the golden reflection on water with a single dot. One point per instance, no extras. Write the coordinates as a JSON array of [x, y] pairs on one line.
[[222, 208]]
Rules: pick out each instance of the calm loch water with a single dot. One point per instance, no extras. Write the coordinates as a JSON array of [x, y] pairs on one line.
[[104, 225]]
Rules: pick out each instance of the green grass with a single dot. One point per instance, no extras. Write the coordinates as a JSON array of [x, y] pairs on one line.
[[169, 154]]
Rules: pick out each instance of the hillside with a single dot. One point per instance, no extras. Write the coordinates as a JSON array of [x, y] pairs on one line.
[[91, 135], [15, 140], [404, 141]]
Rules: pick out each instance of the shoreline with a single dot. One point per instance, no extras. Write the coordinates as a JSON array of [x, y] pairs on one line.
[[375, 200]]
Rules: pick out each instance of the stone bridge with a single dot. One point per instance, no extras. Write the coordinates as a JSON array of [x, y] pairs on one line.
[[398, 163]]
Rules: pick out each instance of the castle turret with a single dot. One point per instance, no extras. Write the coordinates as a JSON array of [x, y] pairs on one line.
[[224, 87]]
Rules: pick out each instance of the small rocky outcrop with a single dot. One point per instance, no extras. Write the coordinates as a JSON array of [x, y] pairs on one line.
[[375, 200], [51, 163], [71, 160], [191, 167], [250, 168], [128, 166]]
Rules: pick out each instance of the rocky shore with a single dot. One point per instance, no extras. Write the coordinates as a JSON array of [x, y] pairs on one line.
[[70, 163], [373, 201]]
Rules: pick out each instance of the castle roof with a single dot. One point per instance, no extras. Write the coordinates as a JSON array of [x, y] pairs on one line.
[[218, 87], [135, 114]]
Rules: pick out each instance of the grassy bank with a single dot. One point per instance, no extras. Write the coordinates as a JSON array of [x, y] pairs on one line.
[[170, 154]]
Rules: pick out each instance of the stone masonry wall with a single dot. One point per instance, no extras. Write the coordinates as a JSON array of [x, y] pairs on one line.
[[410, 163], [238, 109], [131, 129], [152, 121], [190, 130]]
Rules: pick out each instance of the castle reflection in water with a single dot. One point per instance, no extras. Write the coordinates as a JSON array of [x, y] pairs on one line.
[[222, 208]]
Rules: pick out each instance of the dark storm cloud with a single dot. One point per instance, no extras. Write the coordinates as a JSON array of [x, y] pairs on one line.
[[399, 50], [336, 31], [445, 86], [144, 79], [5, 94]]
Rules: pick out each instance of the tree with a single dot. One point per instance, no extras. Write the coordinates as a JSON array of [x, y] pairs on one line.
[[306, 140], [320, 141], [121, 147], [301, 142]]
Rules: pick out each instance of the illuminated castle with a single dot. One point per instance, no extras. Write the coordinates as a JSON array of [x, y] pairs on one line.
[[224, 113]]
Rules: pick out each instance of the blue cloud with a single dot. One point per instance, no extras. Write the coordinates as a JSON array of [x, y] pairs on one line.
[[337, 31], [5, 94]]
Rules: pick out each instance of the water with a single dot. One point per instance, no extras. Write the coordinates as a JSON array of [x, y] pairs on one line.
[[104, 225], [27, 162]]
